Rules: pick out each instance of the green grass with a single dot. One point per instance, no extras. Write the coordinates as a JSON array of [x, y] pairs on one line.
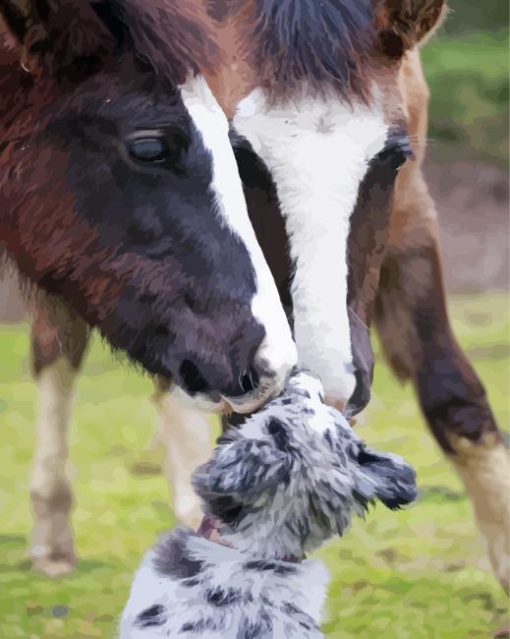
[[468, 78], [468, 14], [417, 574]]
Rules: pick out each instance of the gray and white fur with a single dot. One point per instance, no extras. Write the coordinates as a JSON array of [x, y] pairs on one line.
[[288, 479]]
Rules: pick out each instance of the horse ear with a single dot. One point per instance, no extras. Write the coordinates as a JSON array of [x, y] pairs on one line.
[[402, 24], [57, 35]]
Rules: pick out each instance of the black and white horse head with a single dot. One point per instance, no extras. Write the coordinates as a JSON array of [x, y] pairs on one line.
[[119, 192]]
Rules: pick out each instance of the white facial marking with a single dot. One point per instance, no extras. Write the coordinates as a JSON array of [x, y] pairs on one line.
[[278, 350], [317, 151]]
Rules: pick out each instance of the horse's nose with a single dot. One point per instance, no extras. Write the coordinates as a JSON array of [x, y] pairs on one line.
[[247, 382], [194, 380], [248, 371], [265, 377], [363, 365], [361, 395], [253, 388], [244, 389], [248, 391]]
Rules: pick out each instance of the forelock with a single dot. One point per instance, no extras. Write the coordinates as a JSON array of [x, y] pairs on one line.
[[172, 36]]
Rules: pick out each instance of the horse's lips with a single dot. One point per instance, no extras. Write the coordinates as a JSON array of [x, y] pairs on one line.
[[252, 401], [224, 405]]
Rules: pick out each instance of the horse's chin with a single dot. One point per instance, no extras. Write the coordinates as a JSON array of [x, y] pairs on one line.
[[221, 405], [247, 404], [256, 399], [215, 404]]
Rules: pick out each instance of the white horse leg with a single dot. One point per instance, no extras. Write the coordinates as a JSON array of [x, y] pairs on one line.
[[485, 470], [56, 365], [186, 435]]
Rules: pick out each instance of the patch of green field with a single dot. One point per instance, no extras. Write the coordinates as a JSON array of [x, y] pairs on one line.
[[417, 574], [469, 80]]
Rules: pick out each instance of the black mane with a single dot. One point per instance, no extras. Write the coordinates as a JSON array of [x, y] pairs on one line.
[[172, 36], [327, 43]]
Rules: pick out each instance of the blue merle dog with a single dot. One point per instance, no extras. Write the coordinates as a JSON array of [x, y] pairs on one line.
[[288, 479]]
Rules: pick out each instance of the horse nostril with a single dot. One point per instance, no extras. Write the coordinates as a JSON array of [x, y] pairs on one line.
[[249, 380], [161, 331], [192, 379], [361, 395], [247, 383]]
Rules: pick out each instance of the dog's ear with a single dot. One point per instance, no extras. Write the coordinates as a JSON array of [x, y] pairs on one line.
[[386, 477], [244, 469], [402, 24]]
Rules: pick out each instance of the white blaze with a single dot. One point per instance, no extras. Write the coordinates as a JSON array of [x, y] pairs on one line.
[[318, 152], [278, 350]]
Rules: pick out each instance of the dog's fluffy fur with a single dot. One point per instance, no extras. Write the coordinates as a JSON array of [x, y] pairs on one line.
[[288, 479]]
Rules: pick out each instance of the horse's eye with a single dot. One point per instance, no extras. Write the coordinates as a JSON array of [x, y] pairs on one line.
[[149, 149]]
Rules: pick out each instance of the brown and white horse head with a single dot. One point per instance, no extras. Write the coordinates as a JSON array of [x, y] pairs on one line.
[[119, 191], [323, 111]]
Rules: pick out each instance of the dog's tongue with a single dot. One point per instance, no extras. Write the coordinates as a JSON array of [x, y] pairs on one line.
[[207, 527]]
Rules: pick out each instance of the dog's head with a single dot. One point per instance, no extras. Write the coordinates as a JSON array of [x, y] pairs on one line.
[[294, 474]]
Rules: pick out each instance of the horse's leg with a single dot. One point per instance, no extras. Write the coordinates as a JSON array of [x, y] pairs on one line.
[[412, 319], [186, 436], [58, 345]]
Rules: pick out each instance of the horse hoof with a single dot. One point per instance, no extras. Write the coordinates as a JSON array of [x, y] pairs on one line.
[[54, 568]]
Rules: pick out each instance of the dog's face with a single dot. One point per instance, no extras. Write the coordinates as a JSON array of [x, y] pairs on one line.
[[294, 475]]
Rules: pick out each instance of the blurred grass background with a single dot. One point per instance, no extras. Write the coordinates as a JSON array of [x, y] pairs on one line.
[[418, 574], [467, 68]]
